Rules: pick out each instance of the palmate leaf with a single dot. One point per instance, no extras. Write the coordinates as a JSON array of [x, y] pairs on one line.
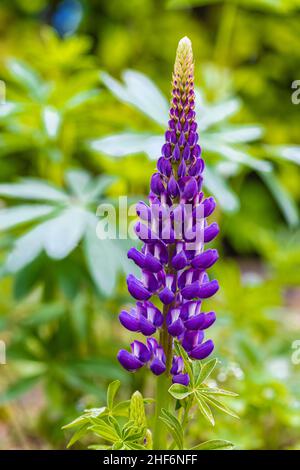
[[141, 92], [217, 404], [129, 143], [33, 189], [63, 225], [14, 216], [65, 232]]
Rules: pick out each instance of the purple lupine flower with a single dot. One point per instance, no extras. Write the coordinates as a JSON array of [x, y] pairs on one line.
[[173, 259]]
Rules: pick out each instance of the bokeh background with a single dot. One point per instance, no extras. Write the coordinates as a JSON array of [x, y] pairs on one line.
[[82, 123]]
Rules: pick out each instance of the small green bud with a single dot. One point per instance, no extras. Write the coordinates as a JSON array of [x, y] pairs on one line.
[[137, 410]]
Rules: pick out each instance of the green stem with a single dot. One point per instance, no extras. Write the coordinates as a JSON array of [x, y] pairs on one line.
[[163, 382], [162, 401]]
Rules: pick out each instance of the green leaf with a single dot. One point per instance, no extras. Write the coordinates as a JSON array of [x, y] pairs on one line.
[[18, 388], [97, 187], [25, 76], [97, 253], [65, 232], [26, 248], [106, 431], [217, 404], [215, 113], [45, 314], [140, 92], [206, 370], [85, 417], [13, 216], [234, 154], [174, 427], [122, 408], [111, 392], [237, 134], [129, 143], [52, 121], [133, 446], [284, 200], [214, 444], [289, 153], [33, 189], [78, 435], [217, 185], [77, 180], [204, 409], [179, 391], [217, 391]]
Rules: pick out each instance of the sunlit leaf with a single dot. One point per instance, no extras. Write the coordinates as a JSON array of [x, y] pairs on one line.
[[14, 216], [111, 392], [141, 92], [214, 444], [284, 200]]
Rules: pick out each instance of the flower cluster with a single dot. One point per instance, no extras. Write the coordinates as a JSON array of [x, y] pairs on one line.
[[174, 231]]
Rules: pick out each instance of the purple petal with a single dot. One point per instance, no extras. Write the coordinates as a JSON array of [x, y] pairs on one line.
[[129, 320], [128, 361], [177, 365], [152, 345], [205, 260], [176, 328], [173, 187], [157, 366], [191, 291], [196, 322], [152, 264], [136, 256], [186, 152], [166, 296], [136, 288], [209, 206], [182, 379], [210, 232], [146, 327], [140, 351], [202, 351], [167, 150], [176, 152], [191, 339], [156, 184], [210, 318], [208, 289], [190, 189], [179, 261]]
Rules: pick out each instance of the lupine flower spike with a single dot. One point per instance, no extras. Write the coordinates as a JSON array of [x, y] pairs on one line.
[[173, 259]]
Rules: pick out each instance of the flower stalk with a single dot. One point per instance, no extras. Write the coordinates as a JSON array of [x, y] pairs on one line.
[[173, 259]]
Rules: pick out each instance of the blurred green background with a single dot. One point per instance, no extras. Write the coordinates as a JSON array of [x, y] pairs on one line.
[[82, 123]]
